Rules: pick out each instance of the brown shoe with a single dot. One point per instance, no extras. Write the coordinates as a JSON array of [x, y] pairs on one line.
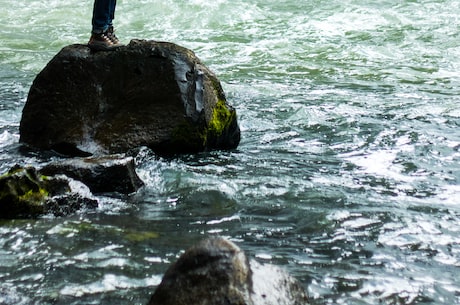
[[100, 42], [113, 38]]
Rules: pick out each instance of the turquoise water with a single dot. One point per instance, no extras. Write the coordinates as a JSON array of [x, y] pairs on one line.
[[347, 174]]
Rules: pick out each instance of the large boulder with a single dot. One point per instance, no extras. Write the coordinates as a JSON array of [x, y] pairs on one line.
[[148, 93], [217, 272]]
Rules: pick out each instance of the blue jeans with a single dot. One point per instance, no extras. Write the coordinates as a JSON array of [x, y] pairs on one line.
[[103, 14]]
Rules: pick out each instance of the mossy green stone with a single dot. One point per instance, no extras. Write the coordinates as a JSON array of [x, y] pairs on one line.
[[22, 192], [193, 137]]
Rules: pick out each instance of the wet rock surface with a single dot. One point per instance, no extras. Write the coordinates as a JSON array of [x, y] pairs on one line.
[[24, 193], [217, 272], [65, 186], [148, 93], [105, 174]]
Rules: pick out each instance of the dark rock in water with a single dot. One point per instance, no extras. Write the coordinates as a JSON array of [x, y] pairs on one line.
[[217, 272], [153, 94], [68, 203], [213, 272], [111, 173], [25, 194]]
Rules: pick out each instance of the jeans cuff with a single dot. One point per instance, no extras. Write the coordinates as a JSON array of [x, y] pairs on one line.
[[99, 30]]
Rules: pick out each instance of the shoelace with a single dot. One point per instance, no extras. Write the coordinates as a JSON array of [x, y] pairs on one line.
[[106, 38]]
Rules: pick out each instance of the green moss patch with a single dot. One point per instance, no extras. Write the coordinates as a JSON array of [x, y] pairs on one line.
[[139, 236], [22, 192], [221, 118]]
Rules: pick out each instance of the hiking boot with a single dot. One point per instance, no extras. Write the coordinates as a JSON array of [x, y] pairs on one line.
[[113, 38], [100, 42]]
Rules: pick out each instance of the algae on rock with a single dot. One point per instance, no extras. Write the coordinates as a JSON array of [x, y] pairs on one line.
[[22, 192], [26, 194]]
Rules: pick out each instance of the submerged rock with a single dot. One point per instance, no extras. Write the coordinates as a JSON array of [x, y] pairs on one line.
[[148, 93], [217, 272], [111, 173], [24, 193]]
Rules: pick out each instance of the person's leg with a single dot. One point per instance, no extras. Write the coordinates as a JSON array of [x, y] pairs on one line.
[[110, 30], [101, 16], [100, 24], [103, 37], [112, 5]]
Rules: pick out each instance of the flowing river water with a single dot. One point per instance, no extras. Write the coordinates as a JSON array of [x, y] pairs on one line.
[[347, 174]]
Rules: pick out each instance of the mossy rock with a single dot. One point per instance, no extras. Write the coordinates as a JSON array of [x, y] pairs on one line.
[[22, 193], [26, 194], [148, 93]]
